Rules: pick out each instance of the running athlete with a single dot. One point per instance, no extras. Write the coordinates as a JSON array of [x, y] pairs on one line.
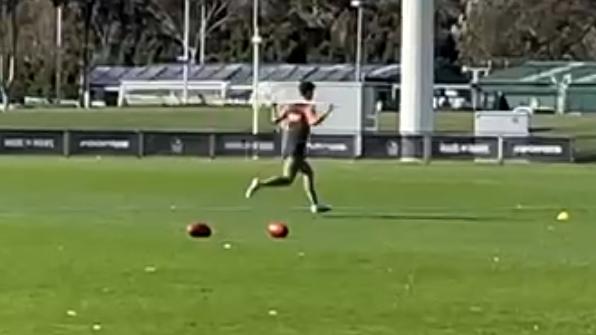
[[296, 119]]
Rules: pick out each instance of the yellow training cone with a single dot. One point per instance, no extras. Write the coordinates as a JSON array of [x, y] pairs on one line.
[[563, 216]]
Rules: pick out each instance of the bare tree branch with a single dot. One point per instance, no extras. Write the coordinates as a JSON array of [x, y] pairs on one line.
[[9, 30]]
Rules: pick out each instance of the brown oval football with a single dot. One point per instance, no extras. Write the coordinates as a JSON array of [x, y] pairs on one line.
[[278, 230], [198, 230]]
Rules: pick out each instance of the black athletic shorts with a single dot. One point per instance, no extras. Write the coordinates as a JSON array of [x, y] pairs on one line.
[[295, 150]]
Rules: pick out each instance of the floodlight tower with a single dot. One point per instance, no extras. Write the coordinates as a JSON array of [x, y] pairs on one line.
[[256, 42], [203, 32], [186, 58], [58, 69], [417, 74], [358, 4]]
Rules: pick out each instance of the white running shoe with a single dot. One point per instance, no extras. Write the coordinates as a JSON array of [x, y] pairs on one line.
[[315, 209], [252, 188]]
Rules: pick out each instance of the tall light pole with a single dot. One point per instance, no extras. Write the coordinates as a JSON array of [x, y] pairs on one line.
[[256, 41], [58, 75], [358, 65], [89, 7], [203, 32], [186, 49]]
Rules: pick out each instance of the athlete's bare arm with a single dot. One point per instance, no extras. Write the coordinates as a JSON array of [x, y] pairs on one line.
[[315, 119], [278, 114]]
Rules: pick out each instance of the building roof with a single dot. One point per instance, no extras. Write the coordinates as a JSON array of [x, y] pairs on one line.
[[543, 74], [241, 74]]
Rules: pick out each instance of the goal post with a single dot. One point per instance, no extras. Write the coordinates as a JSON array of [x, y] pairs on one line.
[[164, 92]]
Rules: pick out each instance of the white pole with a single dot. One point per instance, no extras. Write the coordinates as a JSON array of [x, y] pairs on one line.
[[256, 41], [186, 49], [203, 32], [58, 79], [86, 92], [359, 44], [417, 70], [358, 62], [59, 27]]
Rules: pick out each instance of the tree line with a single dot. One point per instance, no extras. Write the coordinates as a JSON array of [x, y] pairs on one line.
[[133, 32]]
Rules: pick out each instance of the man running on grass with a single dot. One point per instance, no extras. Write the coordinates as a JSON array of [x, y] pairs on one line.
[[297, 120]]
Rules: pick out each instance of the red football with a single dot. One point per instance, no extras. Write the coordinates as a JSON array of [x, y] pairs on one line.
[[278, 230], [198, 230]]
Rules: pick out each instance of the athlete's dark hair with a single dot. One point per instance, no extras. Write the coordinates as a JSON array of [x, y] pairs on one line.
[[306, 87]]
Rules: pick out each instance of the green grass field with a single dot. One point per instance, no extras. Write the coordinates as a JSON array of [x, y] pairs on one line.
[[439, 249], [240, 119]]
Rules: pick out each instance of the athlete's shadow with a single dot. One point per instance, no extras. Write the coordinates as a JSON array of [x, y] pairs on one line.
[[410, 217]]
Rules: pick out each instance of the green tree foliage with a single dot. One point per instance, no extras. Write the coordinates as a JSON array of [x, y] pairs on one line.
[[527, 29], [130, 32]]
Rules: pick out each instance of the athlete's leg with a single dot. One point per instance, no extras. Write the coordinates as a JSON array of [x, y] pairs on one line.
[[287, 178], [308, 177], [290, 170]]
